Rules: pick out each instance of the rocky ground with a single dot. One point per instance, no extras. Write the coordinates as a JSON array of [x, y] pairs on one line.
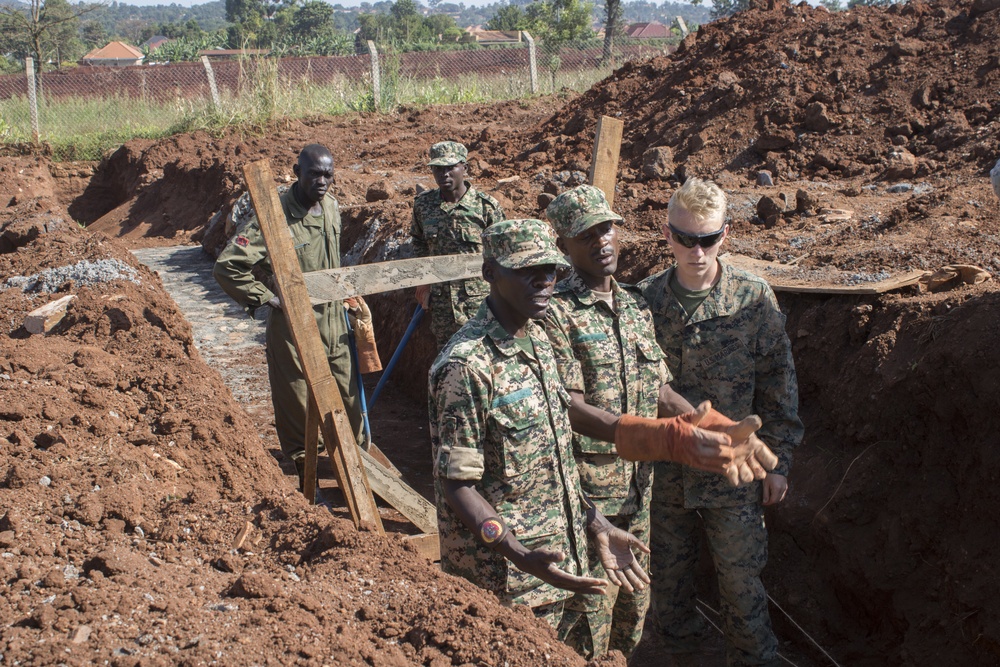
[[144, 517]]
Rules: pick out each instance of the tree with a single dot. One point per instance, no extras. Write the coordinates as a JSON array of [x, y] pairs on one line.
[[508, 17], [313, 18], [612, 26], [93, 34], [45, 27]]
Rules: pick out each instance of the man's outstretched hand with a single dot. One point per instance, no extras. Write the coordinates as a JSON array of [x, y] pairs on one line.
[[542, 564], [615, 548], [752, 459], [674, 439]]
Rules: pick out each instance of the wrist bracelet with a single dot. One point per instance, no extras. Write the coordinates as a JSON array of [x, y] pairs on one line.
[[492, 531]]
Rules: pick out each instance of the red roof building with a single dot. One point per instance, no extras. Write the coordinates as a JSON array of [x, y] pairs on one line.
[[652, 30], [113, 54]]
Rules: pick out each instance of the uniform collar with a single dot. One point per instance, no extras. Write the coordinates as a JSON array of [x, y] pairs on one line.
[[465, 201], [295, 208], [582, 291], [720, 302], [503, 341]]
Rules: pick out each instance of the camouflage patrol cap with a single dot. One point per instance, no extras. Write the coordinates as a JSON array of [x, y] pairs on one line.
[[516, 244], [577, 210], [447, 153]]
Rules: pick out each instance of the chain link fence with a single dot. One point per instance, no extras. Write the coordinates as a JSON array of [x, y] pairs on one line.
[[83, 111]]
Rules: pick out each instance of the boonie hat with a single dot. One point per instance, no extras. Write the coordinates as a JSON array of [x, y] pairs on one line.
[[577, 210], [516, 244], [447, 153]]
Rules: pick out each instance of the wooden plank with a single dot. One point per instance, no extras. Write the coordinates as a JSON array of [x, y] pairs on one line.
[[365, 279], [824, 280], [604, 164], [405, 500], [380, 456], [428, 545], [312, 451], [337, 432], [43, 318]]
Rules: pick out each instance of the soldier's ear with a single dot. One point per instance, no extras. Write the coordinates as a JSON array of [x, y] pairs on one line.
[[561, 245], [489, 271], [295, 170]]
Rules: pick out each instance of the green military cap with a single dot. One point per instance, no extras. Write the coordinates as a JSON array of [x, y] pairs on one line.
[[516, 244], [577, 210], [447, 153]]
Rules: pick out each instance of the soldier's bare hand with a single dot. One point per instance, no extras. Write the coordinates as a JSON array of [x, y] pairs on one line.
[[542, 564], [615, 548]]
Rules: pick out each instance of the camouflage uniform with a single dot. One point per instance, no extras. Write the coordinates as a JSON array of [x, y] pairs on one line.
[[239, 269], [733, 350], [445, 228], [612, 358], [499, 417]]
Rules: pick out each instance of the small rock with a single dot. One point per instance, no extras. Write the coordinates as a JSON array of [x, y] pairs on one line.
[[379, 191], [658, 163], [80, 634], [764, 178], [899, 188], [45, 481], [544, 199], [803, 201], [696, 142], [768, 207]]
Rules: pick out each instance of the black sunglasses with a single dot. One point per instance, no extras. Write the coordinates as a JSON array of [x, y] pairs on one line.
[[691, 240]]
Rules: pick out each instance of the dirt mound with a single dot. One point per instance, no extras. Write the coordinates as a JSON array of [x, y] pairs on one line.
[[898, 93], [141, 522]]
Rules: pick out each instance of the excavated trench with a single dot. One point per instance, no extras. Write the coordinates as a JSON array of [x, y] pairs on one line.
[[882, 551]]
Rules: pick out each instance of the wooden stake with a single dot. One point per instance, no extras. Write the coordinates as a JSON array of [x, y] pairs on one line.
[[604, 165], [337, 432]]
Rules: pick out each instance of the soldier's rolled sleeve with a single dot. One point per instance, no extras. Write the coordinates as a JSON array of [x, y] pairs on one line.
[[233, 268], [492, 215], [461, 423], [776, 398]]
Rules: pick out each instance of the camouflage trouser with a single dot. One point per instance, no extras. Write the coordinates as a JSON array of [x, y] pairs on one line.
[[452, 304], [550, 613], [737, 539], [595, 624]]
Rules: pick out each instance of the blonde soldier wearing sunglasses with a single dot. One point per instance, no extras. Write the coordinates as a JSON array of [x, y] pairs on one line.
[[724, 339]]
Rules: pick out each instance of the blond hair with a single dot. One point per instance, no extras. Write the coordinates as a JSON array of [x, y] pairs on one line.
[[702, 199]]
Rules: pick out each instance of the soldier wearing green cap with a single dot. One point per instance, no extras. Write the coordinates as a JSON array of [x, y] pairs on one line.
[[605, 349], [448, 220], [512, 515]]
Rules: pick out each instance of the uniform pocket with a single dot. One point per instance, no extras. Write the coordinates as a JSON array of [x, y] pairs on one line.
[[524, 427]]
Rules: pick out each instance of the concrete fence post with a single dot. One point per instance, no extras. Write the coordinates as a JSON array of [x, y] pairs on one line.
[[682, 26], [376, 76], [210, 75], [532, 62], [29, 69]]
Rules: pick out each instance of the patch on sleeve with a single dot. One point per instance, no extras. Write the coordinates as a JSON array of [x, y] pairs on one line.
[[242, 241]]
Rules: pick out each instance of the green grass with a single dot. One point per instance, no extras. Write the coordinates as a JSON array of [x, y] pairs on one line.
[[86, 128]]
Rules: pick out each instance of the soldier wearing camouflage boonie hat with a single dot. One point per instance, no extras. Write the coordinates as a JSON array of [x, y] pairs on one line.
[[577, 210], [516, 244], [447, 153]]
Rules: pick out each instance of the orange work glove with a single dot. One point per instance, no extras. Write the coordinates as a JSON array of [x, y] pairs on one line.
[[676, 439], [752, 458], [364, 334]]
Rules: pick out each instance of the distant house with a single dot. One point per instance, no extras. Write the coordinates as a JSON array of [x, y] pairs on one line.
[[652, 30], [114, 54], [222, 54], [487, 37], [155, 42]]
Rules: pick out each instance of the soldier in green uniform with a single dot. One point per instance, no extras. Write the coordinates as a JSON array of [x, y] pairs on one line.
[[314, 223], [607, 356], [511, 512], [724, 339], [449, 220]]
